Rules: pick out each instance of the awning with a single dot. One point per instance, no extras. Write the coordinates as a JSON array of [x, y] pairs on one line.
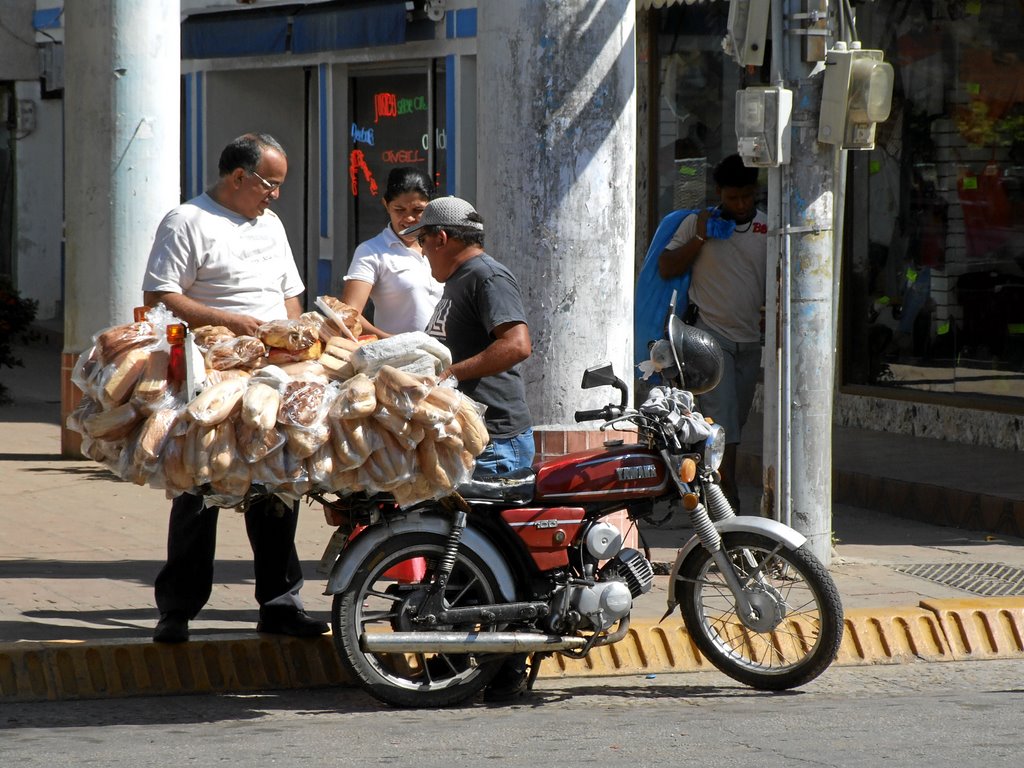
[[642, 5]]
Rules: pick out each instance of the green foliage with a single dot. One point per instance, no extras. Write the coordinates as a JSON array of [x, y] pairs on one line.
[[16, 315]]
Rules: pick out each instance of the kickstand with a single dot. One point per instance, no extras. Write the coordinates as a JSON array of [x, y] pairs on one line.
[[535, 661]]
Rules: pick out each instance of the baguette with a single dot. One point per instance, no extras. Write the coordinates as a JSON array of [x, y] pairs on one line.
[[172, 458], [356, 398], [222, 450], [153, 436], [259, 405], [474, 432]]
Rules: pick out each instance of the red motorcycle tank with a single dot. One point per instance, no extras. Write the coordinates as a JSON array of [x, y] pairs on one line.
[[618, 473], [547, 532]]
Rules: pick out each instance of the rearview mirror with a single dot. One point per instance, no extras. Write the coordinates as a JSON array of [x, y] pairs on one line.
[[600, 375]]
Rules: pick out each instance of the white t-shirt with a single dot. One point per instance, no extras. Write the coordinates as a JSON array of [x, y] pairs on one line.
[[224, 260], [728, 278], [404, 294]]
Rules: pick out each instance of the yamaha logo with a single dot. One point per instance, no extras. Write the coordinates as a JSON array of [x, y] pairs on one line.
[[636, 473]]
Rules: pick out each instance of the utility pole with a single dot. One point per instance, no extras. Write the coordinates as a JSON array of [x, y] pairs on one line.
[[121, 169], [800, 342]]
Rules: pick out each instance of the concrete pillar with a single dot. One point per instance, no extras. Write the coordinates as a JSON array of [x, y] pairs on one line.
[[121, 150], [556, 184]]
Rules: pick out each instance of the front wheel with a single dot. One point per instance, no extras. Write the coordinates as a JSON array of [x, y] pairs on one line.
[[383, 596], [796, 625]]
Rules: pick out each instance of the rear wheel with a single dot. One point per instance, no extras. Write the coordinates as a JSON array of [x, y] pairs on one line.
[[382, 597], [797, 625]]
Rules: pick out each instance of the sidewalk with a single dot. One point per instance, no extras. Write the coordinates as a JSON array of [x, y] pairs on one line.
[[79, 550]]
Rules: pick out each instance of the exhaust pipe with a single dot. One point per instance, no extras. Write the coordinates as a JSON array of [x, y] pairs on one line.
[[467, 642]]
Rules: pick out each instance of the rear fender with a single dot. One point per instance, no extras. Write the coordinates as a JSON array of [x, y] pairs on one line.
[[773, 529], [414, 522]]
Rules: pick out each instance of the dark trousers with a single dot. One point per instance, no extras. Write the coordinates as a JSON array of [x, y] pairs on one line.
[[186, 580]]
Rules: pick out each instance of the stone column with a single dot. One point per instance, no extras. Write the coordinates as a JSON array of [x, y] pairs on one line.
[[121, 161]]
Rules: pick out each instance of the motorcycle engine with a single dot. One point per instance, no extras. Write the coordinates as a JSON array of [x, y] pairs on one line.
[[626, 576]]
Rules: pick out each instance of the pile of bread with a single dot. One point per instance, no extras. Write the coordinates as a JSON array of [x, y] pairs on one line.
[[304, 406]]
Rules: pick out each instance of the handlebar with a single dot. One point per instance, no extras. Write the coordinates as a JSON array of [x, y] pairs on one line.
[[607, 413]]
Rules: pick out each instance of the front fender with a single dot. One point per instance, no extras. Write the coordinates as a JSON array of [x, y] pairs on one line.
[[773, 529], [416, 522]]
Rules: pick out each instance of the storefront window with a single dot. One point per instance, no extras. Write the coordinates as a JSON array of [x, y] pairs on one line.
[[398, 119], [693, 116], [935, 213]]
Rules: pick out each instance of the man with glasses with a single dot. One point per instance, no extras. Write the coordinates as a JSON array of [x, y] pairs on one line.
[[223, 258]]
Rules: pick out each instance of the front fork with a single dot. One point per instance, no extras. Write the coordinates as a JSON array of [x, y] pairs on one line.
[[704, 518]]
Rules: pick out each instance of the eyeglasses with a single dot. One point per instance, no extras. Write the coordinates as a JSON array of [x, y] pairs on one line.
[[270, 186]]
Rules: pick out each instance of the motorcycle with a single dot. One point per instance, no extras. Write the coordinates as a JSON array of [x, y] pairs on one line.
[[430, 600]]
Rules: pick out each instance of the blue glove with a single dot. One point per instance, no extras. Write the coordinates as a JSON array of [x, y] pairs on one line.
[[719, 228]]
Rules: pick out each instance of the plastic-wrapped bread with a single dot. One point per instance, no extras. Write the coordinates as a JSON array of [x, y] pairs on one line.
[[400, 350], [205, 336], [237, 352], [356, 398], [337, 368], [474, 432], [156, 430], [234, 482], [176, 476], [113, 424], [304, 403], [260, 403], [320, 466], [430, 467], [303, 442], [222, 450], [216, 403], [291, 335], [413, 492], [115, 341], [198, 443], [254, 444], [152, 384], [401, 392], [124, 375], [407, 433]]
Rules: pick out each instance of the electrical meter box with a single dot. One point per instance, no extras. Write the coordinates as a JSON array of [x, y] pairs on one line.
[[855, 97], [747, 29], [762, 125]]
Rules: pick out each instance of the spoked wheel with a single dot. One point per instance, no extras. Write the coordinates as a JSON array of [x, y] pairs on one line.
[[795, 627], [382, 598]]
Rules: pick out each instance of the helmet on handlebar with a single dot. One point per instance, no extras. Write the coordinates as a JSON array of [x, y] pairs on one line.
[[697, 355]]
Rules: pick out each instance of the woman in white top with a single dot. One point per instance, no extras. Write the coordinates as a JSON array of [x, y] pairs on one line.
[[390, 270]]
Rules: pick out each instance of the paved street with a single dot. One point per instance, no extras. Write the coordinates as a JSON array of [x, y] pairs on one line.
[[951, 714]]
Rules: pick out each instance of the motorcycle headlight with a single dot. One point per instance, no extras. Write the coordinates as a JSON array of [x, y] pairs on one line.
[[714, 448]]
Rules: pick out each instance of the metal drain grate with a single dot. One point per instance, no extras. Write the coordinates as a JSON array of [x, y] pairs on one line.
[[989, 579]]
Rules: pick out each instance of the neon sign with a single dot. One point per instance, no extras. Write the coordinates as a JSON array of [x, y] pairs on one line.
[[357, 163]]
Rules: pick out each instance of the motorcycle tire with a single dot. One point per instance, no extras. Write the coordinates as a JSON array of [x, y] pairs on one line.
[[799, 626], [382, 596]]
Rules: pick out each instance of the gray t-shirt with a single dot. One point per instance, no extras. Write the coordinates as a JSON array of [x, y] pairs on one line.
[[478, 297]]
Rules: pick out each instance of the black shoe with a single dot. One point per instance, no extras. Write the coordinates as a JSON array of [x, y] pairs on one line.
[[290, 622], [172, 628], [511, 682]]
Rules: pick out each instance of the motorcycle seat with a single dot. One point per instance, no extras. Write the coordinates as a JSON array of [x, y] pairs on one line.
[[515, 487]]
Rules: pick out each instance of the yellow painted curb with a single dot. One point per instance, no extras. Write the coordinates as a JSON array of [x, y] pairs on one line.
[[64, 671], [891, 636], [937, 630], [992, 628]]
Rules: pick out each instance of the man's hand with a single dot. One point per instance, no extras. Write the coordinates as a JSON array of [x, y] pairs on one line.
[[197, 315]]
